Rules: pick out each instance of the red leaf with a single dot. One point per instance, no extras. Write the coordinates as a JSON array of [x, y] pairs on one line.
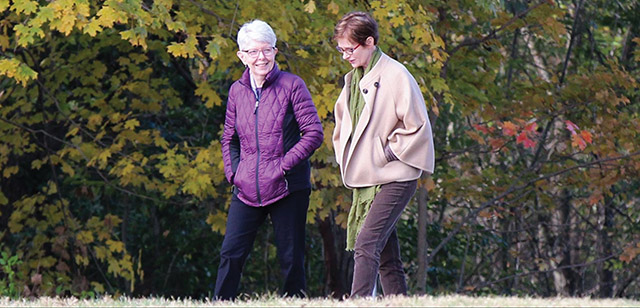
[[496, 143], [509, 129], [571, 126], [523, 138], [481, 128], [531, 127], [586, 136], [577, 141]]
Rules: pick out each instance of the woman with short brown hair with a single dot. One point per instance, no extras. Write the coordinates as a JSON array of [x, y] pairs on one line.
[[383, 143]]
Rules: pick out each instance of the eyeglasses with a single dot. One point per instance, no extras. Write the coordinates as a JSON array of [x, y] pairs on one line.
[[348, 51], [267, 52]]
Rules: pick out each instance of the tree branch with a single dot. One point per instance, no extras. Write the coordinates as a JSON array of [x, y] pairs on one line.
[[514, 188], [574, 32], [494, 33], [545, 271]]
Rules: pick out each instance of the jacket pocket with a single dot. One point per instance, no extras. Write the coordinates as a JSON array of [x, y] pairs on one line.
[[241, 179], [283, 174], [379, 158], [272, 180]]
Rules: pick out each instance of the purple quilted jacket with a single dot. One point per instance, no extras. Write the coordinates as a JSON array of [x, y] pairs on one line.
[[267, 140]]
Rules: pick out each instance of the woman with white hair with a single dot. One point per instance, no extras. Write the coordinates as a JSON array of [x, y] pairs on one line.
[[271, 129]]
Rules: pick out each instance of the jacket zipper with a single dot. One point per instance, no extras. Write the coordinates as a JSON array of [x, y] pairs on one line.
[[255, 111]]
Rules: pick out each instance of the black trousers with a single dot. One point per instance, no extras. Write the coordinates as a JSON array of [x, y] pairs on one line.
[[288, 216]]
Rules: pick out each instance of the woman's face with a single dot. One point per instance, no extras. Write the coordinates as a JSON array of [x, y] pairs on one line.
[[259, 57], [361, 52]]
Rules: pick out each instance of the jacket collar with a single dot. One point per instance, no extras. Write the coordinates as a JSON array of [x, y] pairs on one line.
[[271, 77]]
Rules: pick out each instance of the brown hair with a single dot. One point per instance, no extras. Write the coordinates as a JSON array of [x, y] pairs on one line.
[[356, 26]]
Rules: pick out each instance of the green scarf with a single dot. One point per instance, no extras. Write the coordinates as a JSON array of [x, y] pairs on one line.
[[362, 197]]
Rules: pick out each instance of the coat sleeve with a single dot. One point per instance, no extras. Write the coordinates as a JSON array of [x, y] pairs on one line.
[[412, 141], [309, 123], [230, 141], [338, 112]]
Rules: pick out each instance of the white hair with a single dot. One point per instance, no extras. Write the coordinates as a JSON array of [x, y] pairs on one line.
[[255, 31]]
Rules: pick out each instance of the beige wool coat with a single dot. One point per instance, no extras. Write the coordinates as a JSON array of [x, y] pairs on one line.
[[394, 116]]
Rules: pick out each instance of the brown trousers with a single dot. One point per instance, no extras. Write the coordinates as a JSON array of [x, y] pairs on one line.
[[377, 249]]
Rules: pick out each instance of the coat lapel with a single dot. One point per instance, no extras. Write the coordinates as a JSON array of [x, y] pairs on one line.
[[370, 82]]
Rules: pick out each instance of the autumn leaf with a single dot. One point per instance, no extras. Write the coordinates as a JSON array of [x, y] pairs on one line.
[[333, 8], [509, 129], [577, 141], [475, 136], [531, 127], [483, 128], [523, 139], [310, 7], [571, 126], [586, 136], [497, 143]]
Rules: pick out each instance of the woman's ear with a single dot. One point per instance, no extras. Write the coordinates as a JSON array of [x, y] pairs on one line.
[[241, 57], [370, 41]]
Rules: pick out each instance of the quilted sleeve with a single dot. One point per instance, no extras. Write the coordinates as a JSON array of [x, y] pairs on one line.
[[309, 123], [229, 141]]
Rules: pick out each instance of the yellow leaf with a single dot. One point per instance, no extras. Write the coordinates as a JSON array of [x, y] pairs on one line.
[[397, 21], [131, 124], [302, 53], [98, 287], [85, 237], [15, 69], [161, 142], [218, 222], [4, 4], [8, 171], [310, 7], [177, 50], [3, 199], [115, 246], [94, 120], [4, 41], [333, 8], [114, 267], [107, 16], [92, 27], [210, 96], [24, 6], [47, 262], [104, 156], [73, 131], [52, 188], [66, 168]]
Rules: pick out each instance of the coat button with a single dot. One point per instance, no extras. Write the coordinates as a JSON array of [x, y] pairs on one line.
[[365, 91], [376, 84]]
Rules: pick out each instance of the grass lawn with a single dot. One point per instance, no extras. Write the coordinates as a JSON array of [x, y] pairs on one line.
[[274, 301]]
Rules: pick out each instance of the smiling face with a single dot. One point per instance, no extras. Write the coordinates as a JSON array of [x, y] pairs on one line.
[[361, 52], [259, 63]]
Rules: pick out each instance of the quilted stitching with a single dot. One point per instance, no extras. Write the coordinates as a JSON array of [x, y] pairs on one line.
[[280, 90]]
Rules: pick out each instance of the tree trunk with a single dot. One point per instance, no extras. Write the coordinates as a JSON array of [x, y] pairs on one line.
[[565, 280], [336, 285], [423, 245], [606, 249]]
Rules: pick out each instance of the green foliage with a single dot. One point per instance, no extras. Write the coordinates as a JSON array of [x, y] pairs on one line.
[[8, 285]]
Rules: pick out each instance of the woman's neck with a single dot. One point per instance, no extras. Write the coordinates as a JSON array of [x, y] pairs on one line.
[[366, 63], [258, 81]]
